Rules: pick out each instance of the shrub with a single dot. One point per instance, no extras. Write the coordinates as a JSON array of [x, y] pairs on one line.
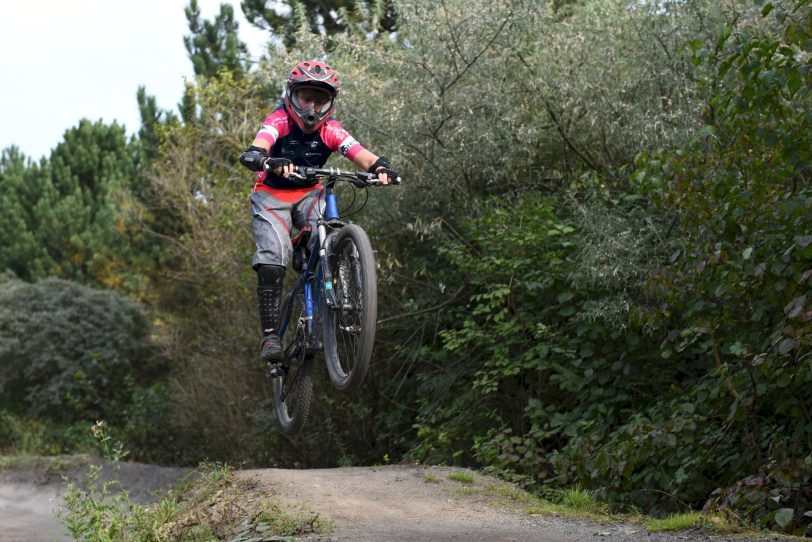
[[70, 353]]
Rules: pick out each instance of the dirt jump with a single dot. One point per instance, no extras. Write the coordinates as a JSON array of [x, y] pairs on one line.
[[361, 504]]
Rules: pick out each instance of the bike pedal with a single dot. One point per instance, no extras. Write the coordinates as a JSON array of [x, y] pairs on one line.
[[274, 371]]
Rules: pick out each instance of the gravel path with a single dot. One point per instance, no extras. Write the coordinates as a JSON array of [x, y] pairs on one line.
[[397, 504], [31, 493]]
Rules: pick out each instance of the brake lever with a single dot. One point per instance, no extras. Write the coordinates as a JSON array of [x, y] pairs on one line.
[[360, 183]]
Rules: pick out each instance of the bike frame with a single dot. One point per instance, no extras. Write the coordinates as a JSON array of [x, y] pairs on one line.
[[312, 295]]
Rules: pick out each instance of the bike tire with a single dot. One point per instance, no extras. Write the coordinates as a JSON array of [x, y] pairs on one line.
[[348, 333], [293, 388]]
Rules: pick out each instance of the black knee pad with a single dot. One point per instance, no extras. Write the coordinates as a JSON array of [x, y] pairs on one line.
[[270, 275]]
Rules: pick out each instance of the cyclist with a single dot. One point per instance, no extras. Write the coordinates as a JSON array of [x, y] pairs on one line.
[[300, 132]]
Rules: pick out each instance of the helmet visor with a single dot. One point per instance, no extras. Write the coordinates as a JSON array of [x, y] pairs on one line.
[[314, 98]]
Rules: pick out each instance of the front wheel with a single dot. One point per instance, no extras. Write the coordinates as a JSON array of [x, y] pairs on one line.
[[293, 378], [349, 327]]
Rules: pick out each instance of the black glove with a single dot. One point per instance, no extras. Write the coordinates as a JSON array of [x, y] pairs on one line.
[[271, 164], [382, 165]]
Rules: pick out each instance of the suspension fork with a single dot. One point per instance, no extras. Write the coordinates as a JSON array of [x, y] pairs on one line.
[[325, 248]]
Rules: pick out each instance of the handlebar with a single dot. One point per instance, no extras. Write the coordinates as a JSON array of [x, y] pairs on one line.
[[360, 179]]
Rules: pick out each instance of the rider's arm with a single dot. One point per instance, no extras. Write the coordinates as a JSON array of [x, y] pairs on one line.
[[375, 164], [339, 140], [257, 155]]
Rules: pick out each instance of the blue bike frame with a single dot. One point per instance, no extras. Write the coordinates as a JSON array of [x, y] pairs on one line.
[[312, 291]]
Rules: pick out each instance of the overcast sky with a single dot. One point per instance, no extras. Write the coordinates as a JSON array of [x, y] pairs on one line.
[[61, 61]]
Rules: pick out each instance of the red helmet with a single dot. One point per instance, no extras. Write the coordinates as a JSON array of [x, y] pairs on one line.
[[310, 94]]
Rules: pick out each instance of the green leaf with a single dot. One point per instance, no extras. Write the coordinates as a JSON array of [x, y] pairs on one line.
[[747, 253], [766, 10], [784, 516], [787, 345], [563, 297], [736, 348]]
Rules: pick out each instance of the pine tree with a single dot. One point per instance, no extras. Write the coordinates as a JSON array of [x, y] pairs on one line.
[[20, 187], [214, 45], [72, 215], [320, 16]]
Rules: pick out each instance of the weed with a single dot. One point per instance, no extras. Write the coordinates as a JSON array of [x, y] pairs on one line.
[[431, 479], [581, 500], [211, 504], [675, 522], [461, 477]]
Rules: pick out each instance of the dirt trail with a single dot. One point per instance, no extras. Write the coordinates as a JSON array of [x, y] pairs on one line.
[[402, 503], [31, 493], [363, 504]]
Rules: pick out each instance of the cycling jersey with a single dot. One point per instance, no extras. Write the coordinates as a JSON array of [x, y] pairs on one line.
[[286, 140]]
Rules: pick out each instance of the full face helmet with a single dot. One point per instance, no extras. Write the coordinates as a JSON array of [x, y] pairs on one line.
[[310, 94]]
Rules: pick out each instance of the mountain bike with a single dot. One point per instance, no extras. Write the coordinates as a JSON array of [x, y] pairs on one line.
[[333, 306]]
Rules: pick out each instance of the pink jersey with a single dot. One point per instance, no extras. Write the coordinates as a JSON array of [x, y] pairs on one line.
[[287, 141]]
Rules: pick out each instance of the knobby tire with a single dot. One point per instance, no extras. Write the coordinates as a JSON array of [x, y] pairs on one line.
[[293, 390], [349, 333]]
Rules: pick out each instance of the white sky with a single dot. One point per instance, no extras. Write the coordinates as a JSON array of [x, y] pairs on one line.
[[61, 61]]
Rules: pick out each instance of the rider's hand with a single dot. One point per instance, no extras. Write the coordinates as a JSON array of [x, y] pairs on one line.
[[386, 175], [281, 167]]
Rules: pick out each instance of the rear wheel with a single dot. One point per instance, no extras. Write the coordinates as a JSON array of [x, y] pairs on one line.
[[293, 378], [349, 328]]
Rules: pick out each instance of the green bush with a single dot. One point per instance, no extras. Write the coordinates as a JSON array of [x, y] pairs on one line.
[[70, 353]]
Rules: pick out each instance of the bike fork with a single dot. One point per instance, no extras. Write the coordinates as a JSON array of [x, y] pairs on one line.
[[329, 293]]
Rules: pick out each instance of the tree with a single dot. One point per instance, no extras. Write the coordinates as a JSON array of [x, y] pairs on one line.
[[214, 45], [320, 16], [20, 189], [73, 216]]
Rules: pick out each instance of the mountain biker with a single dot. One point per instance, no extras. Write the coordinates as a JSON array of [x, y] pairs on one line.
[[300, 132]]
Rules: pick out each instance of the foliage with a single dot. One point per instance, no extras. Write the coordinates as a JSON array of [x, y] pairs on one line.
[[596, 274], [22, 435], [461, 477], [675, 522], [285, 18], [73, 216], [214, 45], [70, 355], [211, 504]]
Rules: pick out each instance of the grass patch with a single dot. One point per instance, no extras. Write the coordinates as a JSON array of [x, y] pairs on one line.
[[581, 500], [431, 479], [675, 522], [50, 466], [461, 477], [691, 520], [209, 504], [8, 462]]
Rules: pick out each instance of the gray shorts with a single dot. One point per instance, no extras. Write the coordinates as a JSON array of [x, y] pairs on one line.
[[273, 219]]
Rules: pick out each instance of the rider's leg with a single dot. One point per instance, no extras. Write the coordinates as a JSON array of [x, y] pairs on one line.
[[271, 227], [269, 294], [310, 208]]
